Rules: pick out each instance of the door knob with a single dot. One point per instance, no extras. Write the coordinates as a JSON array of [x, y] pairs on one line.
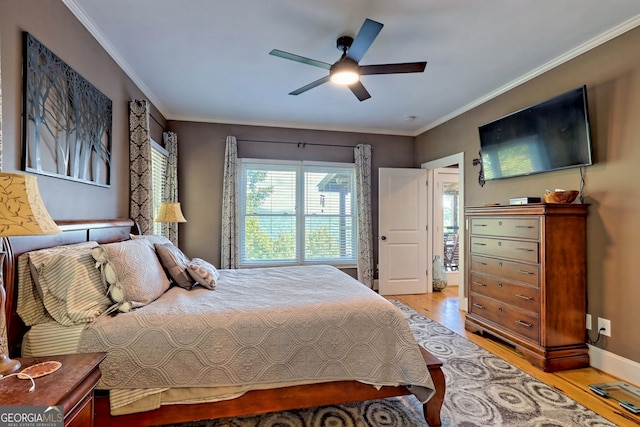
[[383, 237]]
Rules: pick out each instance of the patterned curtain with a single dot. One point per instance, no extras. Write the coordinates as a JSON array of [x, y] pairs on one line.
[[141, 203], [362, 154], [170, 192], [229, 243]]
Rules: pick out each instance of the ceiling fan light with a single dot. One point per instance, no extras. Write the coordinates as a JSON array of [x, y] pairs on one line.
[[345, 77], [345, 72]]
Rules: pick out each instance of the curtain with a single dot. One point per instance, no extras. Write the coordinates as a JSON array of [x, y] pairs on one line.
[[141, 200], [170, 191], [362, 155], [229, 243]]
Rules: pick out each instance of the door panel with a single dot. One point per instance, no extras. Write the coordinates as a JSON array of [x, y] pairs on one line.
[[402, 231]]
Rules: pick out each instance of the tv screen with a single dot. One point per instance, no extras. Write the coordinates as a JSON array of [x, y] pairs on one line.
[[548, 136]]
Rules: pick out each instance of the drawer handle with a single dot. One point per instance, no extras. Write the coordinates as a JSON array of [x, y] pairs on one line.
[[480, 306], [480, 244], [479, 283], [525, 272], [525, 297], [524, 226], [525, 324], [481, 263], [480, 225], [525, 249]]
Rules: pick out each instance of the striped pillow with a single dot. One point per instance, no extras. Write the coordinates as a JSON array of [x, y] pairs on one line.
[[71, 287], [31, 308]]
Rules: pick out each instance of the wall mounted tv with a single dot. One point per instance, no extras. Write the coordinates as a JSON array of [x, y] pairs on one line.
[[551, 135]]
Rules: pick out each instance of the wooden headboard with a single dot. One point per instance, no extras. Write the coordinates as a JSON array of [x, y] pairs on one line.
[[76, 231]]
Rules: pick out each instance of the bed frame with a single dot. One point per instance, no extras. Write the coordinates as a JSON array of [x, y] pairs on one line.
[[254, 402]]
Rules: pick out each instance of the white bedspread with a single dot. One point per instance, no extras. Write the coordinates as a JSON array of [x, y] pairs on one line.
[[261, 326]]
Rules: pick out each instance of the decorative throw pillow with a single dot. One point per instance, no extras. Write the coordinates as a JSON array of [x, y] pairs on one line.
[[203, 272], [132, 271], [175, 262]]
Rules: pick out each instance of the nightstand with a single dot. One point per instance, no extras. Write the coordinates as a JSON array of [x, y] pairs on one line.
[[71, 387]]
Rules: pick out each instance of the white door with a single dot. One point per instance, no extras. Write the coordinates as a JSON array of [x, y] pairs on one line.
[[402, 231]]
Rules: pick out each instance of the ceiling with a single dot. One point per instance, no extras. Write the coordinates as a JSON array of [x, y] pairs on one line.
[[208, 61]]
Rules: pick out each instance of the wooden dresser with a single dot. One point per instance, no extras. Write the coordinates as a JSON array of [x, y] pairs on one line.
[[526, 270]]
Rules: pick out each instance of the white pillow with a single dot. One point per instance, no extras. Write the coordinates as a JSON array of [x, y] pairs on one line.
[[132, 271]]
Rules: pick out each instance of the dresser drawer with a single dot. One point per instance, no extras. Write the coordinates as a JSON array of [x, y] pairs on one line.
[[526, 273], [523, 297], [513, 249], [522, 228], [505, 315]]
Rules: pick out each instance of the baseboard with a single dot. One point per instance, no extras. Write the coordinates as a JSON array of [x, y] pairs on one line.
[[625, 369]]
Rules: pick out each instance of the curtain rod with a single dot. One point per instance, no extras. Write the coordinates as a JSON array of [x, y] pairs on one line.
[[139, 103], [299, 143]]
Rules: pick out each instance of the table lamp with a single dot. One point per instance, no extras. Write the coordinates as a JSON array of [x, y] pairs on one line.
[[170, 212], [22, 213]]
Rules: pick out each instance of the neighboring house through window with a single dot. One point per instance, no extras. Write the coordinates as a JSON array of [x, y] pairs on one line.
[[297, 213], [158, 176]]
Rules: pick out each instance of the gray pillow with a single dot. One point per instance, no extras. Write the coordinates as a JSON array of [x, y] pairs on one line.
[[132, 271], [175, 263]]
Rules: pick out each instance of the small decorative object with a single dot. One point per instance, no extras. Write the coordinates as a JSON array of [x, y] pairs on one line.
[[439, 274], [560, 196], [476, 162], [40, 369]]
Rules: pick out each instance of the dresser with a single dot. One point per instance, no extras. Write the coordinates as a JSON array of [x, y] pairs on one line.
[[526, 275]]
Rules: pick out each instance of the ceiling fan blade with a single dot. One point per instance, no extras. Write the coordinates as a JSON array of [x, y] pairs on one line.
[[359, 91], [363, 40], [298, 58], [407, 67], [310, 86]]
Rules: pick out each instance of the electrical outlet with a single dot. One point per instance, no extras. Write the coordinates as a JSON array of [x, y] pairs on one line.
[[606, 324], [589, 322]]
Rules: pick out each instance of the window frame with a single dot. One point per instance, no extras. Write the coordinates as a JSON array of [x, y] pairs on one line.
[[161, 151], [300, 168]]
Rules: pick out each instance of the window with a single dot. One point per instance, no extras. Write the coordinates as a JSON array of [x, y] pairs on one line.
[[297, 213], [158, 176]]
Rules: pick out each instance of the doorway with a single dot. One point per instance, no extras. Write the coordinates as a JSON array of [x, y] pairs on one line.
[[445, 205], [447, 217]]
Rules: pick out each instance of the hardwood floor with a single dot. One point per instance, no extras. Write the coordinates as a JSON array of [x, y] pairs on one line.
[[443, 308]]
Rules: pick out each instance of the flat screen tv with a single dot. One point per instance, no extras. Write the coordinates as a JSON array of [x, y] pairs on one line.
[[551, 135]]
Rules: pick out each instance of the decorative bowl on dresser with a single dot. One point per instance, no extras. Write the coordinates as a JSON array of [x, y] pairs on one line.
[[526, 271]]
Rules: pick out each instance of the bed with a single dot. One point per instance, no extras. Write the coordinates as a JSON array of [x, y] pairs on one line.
[[265, 394]]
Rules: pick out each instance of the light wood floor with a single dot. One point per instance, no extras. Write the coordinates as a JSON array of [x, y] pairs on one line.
[[443, 308]]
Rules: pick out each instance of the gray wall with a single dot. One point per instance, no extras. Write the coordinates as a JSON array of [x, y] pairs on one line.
[[612, 75]]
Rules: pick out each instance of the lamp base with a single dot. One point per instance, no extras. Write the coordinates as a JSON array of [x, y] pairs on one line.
[[8, 366]]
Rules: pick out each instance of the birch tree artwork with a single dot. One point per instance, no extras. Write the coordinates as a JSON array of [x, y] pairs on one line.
[[66, 120]]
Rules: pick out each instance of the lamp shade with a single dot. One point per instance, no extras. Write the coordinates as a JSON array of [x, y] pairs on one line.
[[170, 212], [22, 211]]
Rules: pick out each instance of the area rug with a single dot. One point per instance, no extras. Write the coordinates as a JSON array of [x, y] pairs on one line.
[[482, 390]]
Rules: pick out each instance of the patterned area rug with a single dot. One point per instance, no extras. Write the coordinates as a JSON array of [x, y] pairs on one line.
[[482, 390]]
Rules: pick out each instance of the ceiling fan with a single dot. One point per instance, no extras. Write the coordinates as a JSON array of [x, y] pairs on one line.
[[347, 70]]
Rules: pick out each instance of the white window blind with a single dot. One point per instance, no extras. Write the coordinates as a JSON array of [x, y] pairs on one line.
[[158, 176], [297, 213]]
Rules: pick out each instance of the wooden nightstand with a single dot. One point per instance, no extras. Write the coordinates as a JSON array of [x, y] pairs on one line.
[[71, 387]]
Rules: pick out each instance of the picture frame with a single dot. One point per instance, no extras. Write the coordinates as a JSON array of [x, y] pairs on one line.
[[66, 120]]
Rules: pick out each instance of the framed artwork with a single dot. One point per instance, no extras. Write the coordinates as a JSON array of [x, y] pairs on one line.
[[66, 120]]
